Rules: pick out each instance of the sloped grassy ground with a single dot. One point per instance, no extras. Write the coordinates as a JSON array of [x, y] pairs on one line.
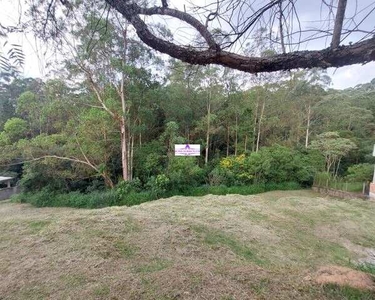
[[212, 247]]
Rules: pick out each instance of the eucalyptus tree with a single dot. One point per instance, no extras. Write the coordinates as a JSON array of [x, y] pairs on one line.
[[105, 58], [182, 101], [333, 148], [211, 92], [10, 90], [307, 89]]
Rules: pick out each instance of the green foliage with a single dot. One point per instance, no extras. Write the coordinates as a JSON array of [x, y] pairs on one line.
[[333, 148], [50, 197], [96, 199], [240, 190], [4, 139], [326, 180], [271, 164], [367, 267], [46, 197], [38, 176], [360, 172], [124, 188], [149, 160], [136, 198], [26, 101], [159, 184], [14, 130], [184, 172], [256, 138], [170, 136]]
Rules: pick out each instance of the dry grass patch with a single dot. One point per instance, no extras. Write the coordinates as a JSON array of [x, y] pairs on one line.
[[211, 247]]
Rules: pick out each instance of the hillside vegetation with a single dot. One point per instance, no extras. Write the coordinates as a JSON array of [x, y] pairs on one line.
[[265, 246]]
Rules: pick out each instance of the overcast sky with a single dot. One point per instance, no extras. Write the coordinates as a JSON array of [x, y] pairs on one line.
[[349, 76]]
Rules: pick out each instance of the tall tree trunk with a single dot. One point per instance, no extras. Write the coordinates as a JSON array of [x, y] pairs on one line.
[[208, 127], [228, 129], [131, 158], [236, 137], [308, 126], [123, 121], [338, 166], [255, 122], [124, 150], [245, 143], [260, 125]]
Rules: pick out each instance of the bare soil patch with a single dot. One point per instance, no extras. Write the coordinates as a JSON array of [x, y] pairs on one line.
[[344, 277]]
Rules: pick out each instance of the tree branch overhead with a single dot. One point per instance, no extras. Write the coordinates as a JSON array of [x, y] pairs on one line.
[[334, 56]]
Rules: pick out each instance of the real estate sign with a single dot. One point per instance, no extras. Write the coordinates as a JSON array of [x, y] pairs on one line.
[[187, 150]]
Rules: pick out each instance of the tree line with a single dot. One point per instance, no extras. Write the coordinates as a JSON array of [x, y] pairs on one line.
[[115, 109]]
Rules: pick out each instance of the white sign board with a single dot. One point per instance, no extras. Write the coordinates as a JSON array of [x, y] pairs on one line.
[[373, 152], [187, 150]]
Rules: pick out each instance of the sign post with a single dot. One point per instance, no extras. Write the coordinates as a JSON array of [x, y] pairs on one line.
[[372, 184], [187, 150]]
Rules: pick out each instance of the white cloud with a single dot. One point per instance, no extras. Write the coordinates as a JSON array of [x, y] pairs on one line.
[[350, 76]]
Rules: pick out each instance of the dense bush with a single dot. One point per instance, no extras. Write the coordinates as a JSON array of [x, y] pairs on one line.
[[271, 164], [149, 160], [46, 197], [158, 185], [184, 172], [100, 199], [53, 175], [36, 177], [124, 188], [272, 168], [360, 173]]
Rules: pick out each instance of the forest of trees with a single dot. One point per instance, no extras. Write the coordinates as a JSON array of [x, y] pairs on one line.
[[109, 119]]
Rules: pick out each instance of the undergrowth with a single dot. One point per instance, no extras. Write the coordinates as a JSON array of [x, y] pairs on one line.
[[99, 199]]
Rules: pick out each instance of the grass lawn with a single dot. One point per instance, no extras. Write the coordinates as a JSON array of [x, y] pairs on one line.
[[212, 247]]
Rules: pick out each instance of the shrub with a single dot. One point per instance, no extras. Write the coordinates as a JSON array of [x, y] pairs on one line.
[[221, 176], [158, 185], [271, 164], [100, 199], [15, 129], [184, 172], [46, 197], [360, 173], [149, 160], [38, 176], [124, 188]]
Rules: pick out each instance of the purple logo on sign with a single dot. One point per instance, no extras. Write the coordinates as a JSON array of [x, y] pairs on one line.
[[187, 150]]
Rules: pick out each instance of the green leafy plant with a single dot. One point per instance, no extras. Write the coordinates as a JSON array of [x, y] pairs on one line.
[[360, 172], [159, 184]]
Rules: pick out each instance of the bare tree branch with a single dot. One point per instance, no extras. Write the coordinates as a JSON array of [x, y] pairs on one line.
[[360, 52], [338, 24], [56, 157], [183, 16]]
